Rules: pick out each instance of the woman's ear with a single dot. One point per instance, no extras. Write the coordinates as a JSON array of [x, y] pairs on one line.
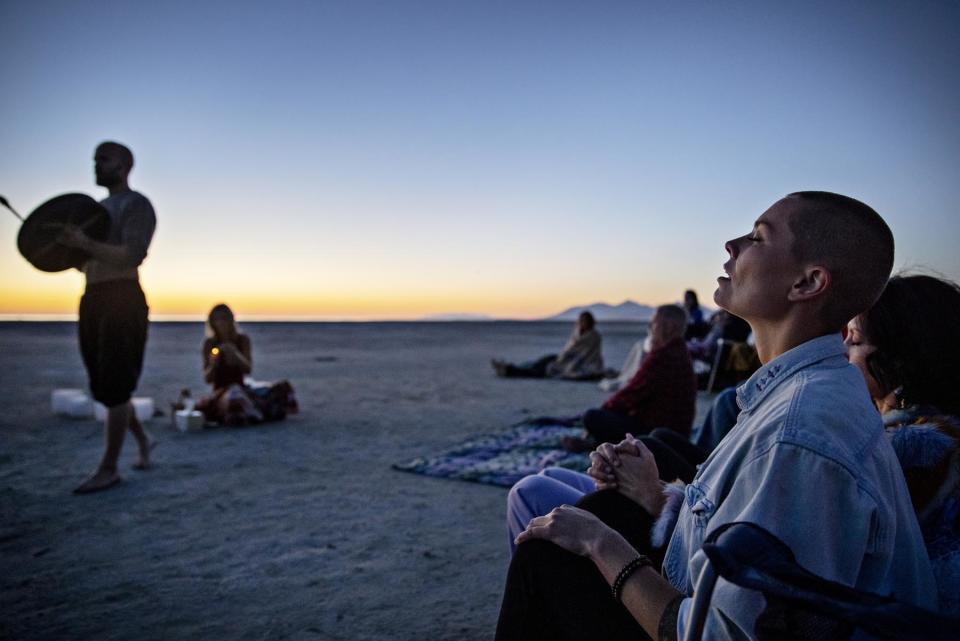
[[815, 282]]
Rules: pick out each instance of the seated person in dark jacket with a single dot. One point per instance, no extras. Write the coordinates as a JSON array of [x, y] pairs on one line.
[[662, 393]]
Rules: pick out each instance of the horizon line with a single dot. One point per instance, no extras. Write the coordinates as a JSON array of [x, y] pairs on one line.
[[193, 318]]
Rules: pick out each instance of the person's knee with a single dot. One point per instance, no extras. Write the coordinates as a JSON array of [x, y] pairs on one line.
[[662, 449], [529, 491], [578, 481], [610, 506], [555, 473], [537, 553], [602, 502]]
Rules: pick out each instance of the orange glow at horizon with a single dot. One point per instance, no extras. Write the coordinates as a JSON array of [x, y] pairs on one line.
[[60, 294], [183, 280]]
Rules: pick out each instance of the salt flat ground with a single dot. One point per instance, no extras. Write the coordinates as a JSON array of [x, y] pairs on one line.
[[297, 530]]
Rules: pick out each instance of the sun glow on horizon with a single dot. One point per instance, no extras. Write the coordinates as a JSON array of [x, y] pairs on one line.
[[58, 295]]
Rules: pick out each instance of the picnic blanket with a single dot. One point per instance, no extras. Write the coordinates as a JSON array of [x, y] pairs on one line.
[[503, 458]]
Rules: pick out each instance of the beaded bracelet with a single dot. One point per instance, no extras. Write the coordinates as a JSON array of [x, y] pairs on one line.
[[624, 574]]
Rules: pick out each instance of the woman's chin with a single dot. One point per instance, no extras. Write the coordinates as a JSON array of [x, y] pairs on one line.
[[720, 294]]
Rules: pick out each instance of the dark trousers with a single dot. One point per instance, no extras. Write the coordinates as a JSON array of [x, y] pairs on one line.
[[113, 335], [533, 369], [553, 595], [608, 426], [676, 457]]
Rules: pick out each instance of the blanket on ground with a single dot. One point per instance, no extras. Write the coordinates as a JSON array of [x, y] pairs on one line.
[[503, 458]]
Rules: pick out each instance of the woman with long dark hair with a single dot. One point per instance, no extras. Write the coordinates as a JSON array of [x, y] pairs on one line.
[[908, 350], [227, 359]]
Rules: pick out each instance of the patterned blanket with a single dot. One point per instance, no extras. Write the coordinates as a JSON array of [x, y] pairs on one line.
[[503, 458]]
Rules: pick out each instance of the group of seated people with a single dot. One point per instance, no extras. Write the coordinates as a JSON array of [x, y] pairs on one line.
[[582, 357], [705, 343], [660, 392], [845, 445], [227, 357]]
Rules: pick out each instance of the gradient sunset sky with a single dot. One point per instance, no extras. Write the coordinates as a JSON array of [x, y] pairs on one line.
[[361, 160]]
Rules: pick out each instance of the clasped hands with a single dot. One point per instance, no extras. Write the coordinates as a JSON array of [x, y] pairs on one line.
[[627, 467], [631, 469]]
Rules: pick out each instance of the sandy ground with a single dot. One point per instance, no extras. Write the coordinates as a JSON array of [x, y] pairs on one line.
[[298, 530]]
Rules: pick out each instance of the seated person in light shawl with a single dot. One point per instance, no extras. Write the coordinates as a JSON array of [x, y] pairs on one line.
[[581, 358]]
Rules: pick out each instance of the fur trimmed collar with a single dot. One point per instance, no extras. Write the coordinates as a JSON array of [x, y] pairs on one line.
[[928, 446]]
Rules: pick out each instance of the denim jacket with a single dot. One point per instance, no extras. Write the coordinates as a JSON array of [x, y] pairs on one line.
[[808, 461]]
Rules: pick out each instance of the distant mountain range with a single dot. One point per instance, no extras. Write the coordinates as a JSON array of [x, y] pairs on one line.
[[628, 310]]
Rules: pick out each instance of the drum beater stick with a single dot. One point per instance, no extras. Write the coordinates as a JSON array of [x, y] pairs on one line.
[[3, 201]]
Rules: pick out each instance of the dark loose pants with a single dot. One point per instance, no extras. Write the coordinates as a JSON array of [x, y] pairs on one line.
[[676, 457], [554, 595], [113, 334], [533, 369], [608, 426]]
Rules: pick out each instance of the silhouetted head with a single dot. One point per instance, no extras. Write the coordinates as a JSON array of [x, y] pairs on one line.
[[112, 163], [585, 322], [827, 253], [668, 322], [907, 342], [690, 301], [221, 323]]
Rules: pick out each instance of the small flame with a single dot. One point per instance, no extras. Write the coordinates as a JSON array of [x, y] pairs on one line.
[[215, 351]]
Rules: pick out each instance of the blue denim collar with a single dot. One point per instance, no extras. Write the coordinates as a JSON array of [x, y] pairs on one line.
[[758, 386]]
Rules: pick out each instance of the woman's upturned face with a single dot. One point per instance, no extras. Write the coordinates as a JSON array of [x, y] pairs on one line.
[[762, 269], [858, 349]]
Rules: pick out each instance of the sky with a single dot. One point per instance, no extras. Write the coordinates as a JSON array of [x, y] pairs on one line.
[[394, 160]]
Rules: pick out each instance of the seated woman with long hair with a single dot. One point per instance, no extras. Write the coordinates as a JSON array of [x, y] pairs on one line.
[[227, 359], [580, 360], [906, 347]]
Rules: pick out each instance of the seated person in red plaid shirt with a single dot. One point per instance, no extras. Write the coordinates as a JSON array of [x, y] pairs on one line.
[[662, 393]]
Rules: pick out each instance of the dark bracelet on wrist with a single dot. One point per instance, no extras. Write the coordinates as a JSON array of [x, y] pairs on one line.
[[624, 574]]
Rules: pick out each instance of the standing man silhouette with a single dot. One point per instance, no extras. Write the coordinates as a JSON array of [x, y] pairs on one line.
[[113, 310]]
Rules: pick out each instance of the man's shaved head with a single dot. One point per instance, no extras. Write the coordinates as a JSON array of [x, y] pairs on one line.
[[851, 241], [120, 151], [674, 320]]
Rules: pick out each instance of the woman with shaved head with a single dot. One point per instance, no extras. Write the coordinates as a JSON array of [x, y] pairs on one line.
[[808, 459]]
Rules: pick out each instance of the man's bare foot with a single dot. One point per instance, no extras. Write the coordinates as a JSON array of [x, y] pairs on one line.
[[145, 446], [101, 480]]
